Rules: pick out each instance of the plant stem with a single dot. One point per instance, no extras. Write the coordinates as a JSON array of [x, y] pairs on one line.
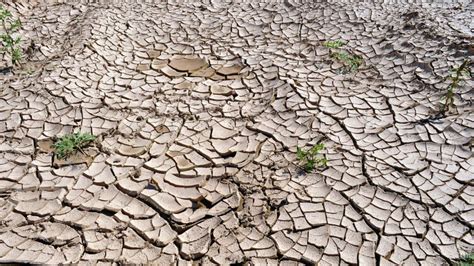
[[455, 82]]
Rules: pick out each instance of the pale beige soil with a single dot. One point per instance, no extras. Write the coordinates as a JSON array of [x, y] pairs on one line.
[[199, 109]]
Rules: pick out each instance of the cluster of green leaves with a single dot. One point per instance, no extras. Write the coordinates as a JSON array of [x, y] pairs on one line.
[[456, 76], [351, 62], [467, 260], [311, 158], [9, 43], [69, 144], [334, 44]]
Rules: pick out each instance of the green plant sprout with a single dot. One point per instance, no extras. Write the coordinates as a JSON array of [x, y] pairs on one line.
[[467, 260], [352, 62], [311, 158], [334, 44], [457, 75], [9, 43], [71, 143]]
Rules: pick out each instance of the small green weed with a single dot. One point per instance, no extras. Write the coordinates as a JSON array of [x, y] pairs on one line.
[[334, 44], [457, 75], [467, 260], [311, 158], [69, 144], [351, 62], [9, 43]]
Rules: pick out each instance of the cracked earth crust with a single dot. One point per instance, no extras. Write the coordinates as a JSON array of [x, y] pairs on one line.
[[199, 109]]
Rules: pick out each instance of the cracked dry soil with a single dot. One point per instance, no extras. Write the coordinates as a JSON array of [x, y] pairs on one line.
[[199, 109]]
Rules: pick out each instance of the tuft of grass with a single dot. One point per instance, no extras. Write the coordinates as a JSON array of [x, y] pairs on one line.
[[9, 43], [467, 260], [311, 158], [351, 62], [71, 143], [334, 44], [457, 75]]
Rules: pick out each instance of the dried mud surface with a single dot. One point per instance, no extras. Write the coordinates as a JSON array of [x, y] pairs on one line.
[[199, 109]]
